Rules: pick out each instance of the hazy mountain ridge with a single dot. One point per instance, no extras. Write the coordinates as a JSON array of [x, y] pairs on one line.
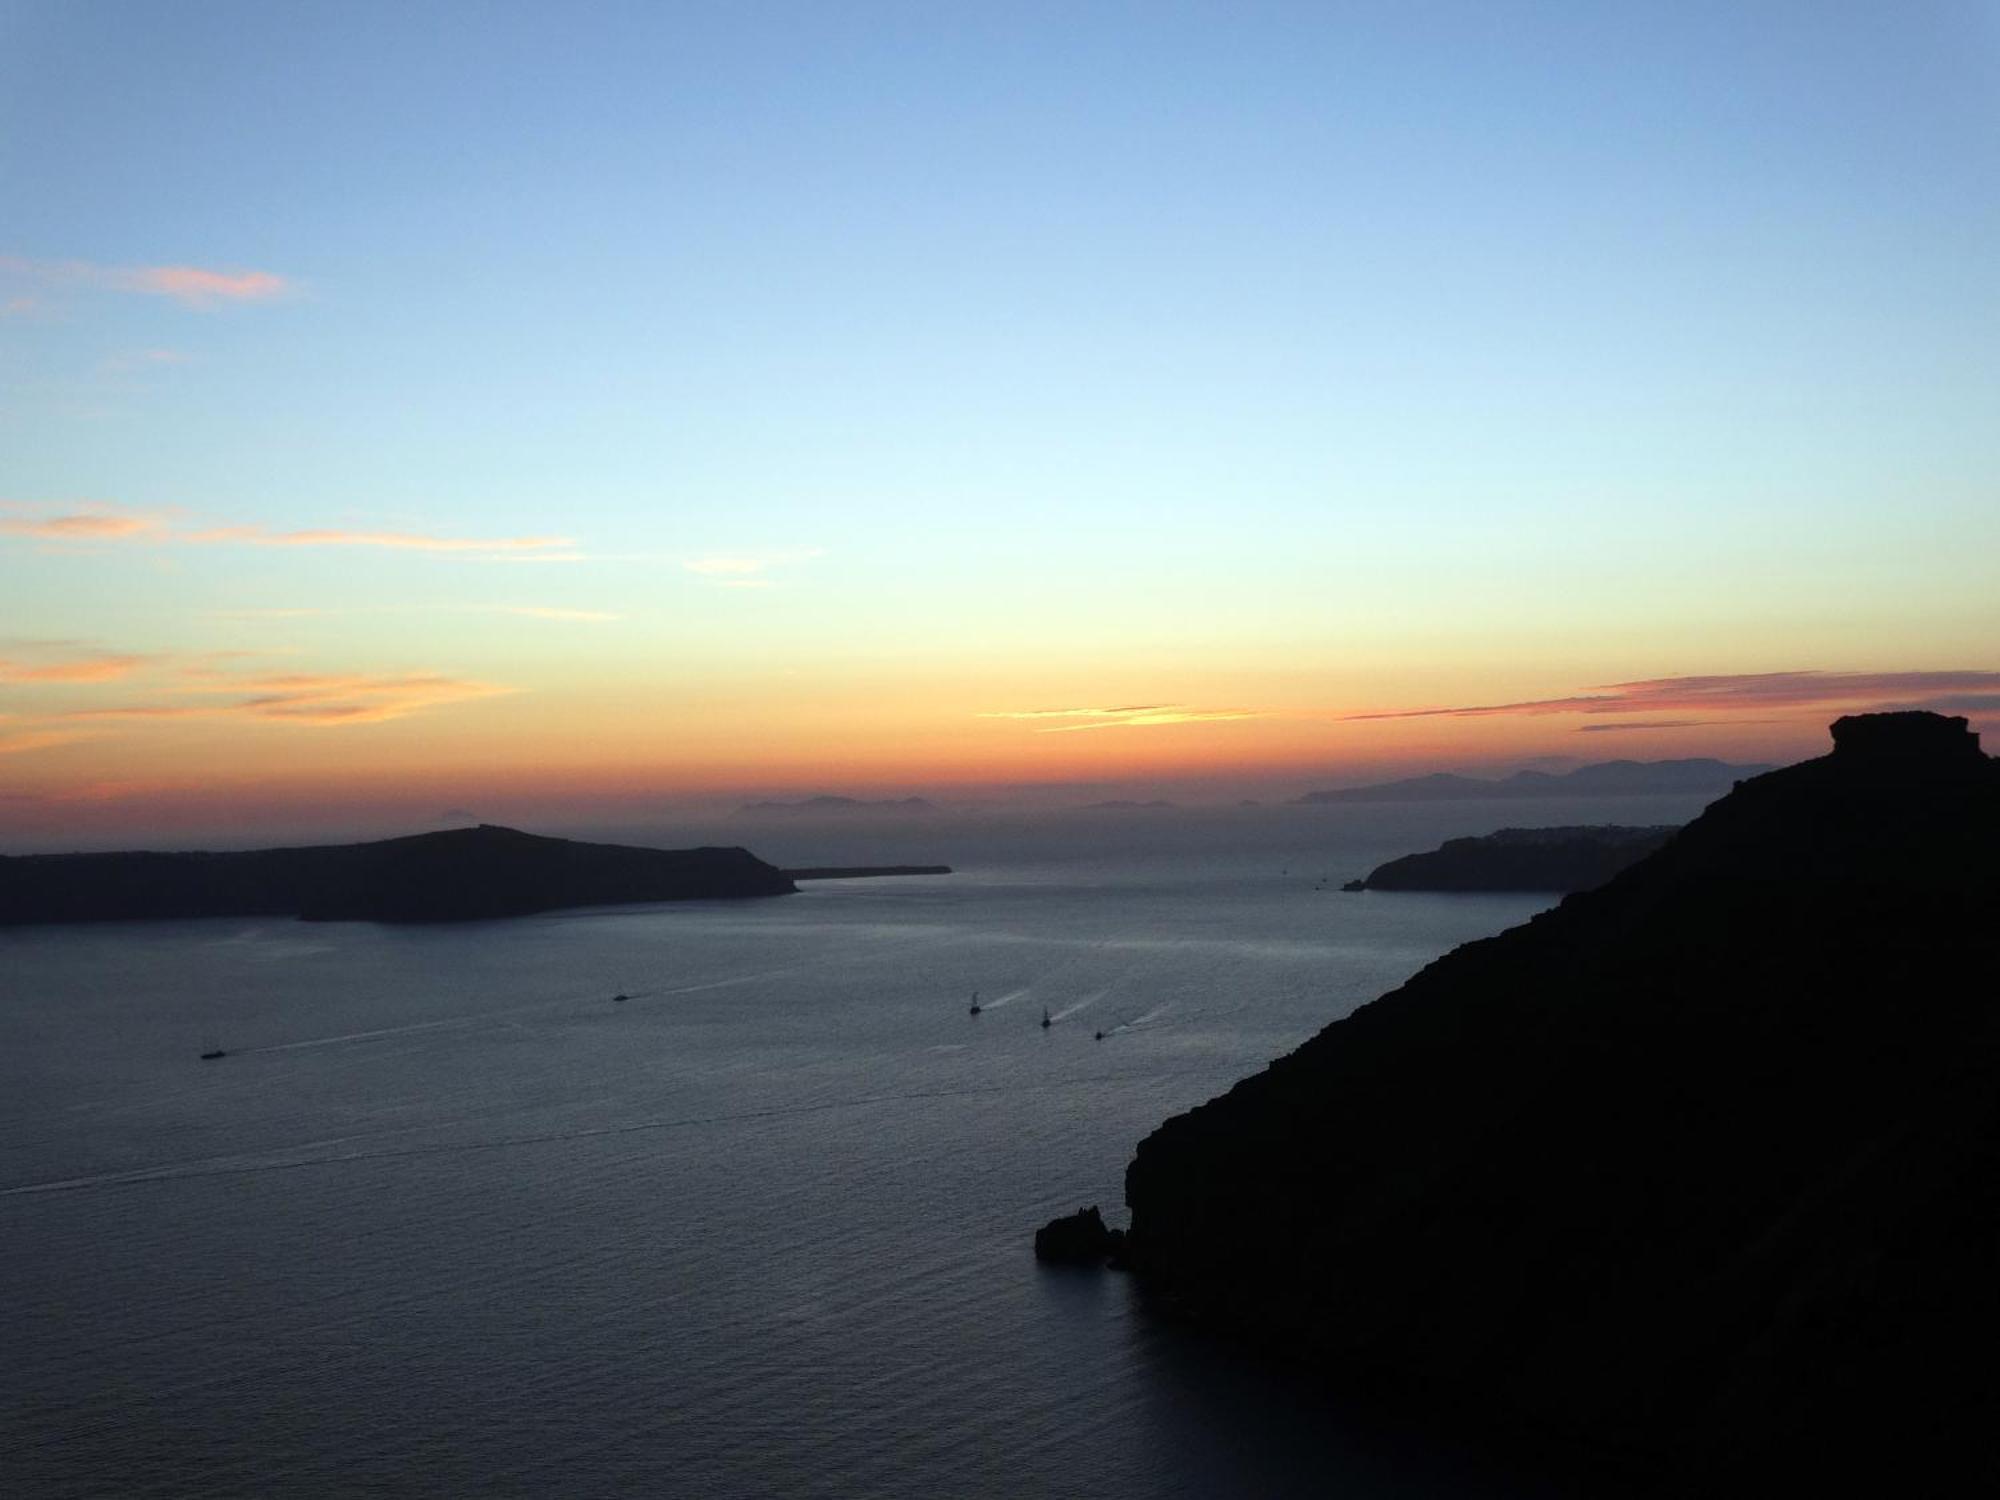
[[831, 804], [1609, 778], [1702, 1167]]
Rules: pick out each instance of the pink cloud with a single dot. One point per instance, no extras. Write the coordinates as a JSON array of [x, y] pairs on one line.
[[196, 286], [191, 286], [112, 523], [1734, 692]]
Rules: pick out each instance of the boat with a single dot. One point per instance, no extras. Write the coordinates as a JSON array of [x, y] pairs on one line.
[[212, 1054], [975, 1004], [1046, 1022], [620, 999]]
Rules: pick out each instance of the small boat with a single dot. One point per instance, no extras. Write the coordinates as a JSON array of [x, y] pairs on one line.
[[1046, 1022], [212, 1054], [620, 999], [1100, 1036], [974, 1009]]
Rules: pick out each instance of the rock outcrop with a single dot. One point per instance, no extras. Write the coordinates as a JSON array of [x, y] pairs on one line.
[[1519, 859], [1080, 1239], [459, 875], [1701, 1168]]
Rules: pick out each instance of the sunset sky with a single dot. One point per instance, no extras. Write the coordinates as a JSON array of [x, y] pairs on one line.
[[512, 406]]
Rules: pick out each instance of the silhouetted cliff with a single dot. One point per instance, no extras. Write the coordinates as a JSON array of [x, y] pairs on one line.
[[1702, 1166], [1520, 859], [458, 875]]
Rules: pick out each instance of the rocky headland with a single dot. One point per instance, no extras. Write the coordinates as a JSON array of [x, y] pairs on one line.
[[459, 875], [1519, 859], [1700, 1169]]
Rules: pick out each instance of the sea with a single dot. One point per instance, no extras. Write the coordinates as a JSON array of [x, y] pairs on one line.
[[451, 1217]]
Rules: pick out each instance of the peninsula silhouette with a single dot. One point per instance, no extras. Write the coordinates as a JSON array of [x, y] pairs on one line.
[[1519, 859], [457, 875]]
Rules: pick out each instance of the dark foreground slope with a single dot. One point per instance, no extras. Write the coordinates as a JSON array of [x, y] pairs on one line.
[[1702, 1167], [1520, 859], [432, 877]]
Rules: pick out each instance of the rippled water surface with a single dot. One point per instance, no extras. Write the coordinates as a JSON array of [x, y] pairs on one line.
[[449, 1218]]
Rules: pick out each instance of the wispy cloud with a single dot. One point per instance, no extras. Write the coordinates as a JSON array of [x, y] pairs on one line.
[[103, 522], [100, 667], [1136, 716], [81, 523], [737, 570], [1734, 693], [575, 616], [324, 698], [21, 741], [1075, 713], [212, 684], [258, 536], [524, 611], [191, 286], [1641, 724], [354, 698]]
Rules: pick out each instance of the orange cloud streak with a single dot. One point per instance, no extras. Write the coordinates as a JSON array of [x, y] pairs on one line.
[[90, 524], [89, 669], [20, 741], [111, 523]]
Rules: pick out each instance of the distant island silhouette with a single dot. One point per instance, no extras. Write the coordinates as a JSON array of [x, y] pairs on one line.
[[456, 875], [1124, 804], [1700, 1169], [1607, 778], [864, 872], [1519, 859], [827, 804]]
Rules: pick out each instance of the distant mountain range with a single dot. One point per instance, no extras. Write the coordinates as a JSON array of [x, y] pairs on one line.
[[1607, 778], [841, 805], [1125, 804]]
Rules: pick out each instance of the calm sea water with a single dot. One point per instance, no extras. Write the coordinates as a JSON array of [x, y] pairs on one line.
[[449, 1219]]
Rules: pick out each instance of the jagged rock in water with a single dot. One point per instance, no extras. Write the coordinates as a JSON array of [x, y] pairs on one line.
[[1701, 1167]]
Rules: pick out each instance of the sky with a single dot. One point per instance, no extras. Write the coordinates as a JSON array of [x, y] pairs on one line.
[[523, 406]]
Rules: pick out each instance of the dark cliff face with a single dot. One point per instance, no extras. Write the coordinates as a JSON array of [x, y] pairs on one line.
[[458, 875], [1702, 1166]]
